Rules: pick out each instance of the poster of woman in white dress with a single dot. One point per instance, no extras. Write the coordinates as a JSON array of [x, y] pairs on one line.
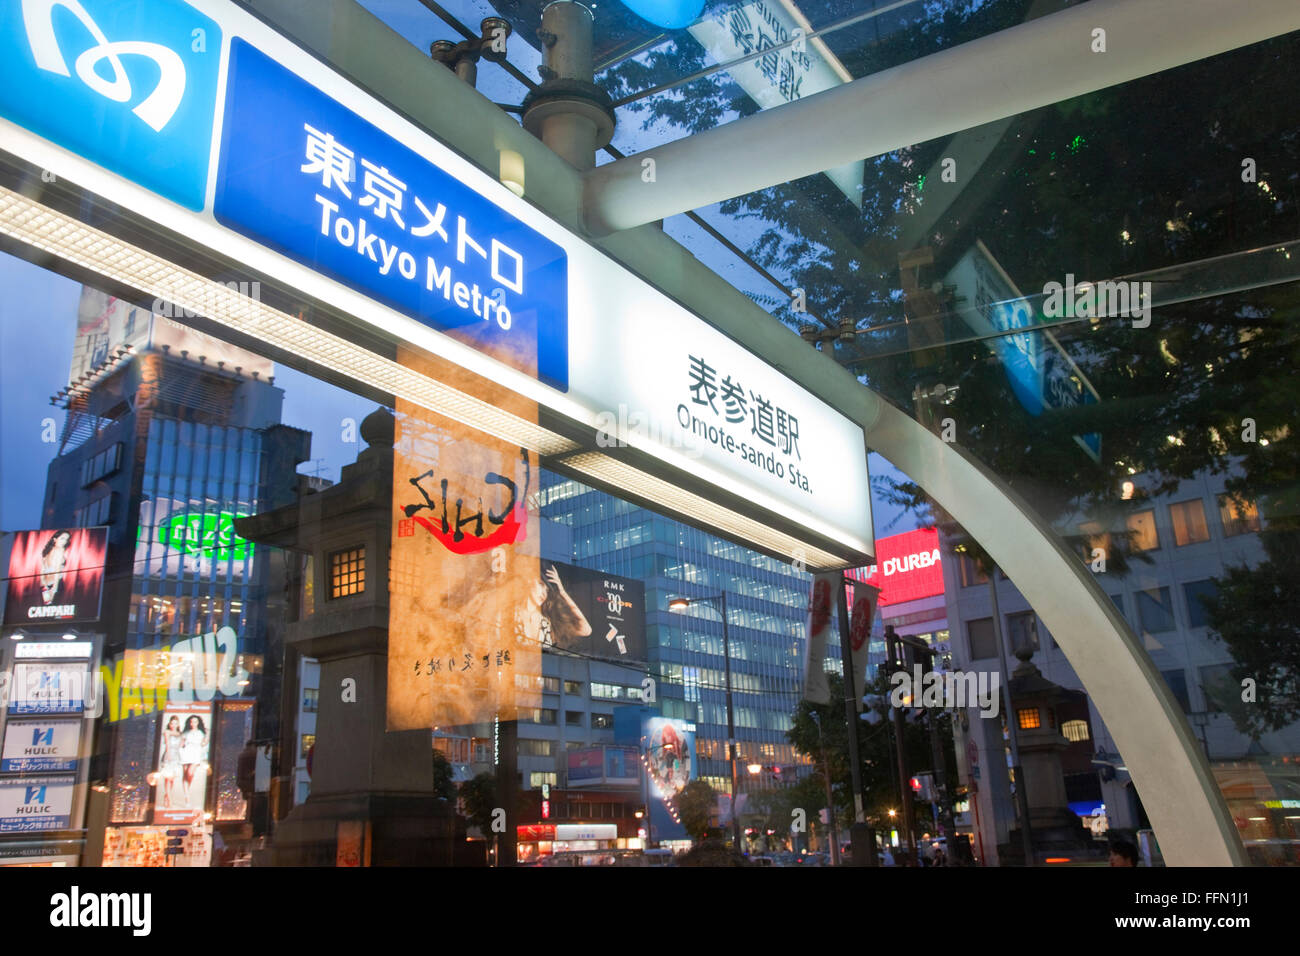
[[181, 779]]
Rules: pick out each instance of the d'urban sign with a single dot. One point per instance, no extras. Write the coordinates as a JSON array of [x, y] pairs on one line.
[[199, 117]]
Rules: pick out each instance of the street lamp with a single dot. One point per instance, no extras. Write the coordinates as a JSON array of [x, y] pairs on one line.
[[680, 604]]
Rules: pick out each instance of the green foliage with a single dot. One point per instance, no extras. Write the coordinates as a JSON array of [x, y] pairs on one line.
[[444, 780], [695, 806], [1257, 613], [875, 751], [480, 797]]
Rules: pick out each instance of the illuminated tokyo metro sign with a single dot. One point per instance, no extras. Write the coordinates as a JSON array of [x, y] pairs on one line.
[[200, 118]]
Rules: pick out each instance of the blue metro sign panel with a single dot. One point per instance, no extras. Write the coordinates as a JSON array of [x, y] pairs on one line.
[[304, 175]]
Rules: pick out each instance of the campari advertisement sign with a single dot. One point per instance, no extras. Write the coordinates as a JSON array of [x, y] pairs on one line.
[[55, 576]]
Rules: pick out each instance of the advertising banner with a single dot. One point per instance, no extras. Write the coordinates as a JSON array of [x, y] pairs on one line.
[[466, 590], [181, 777], [586, 766], [907, 567], [56, 576], [861, 615], [36, 803], [604, 766], [41, 746], [670, 754], [195, 537], [591, 613], [820, 608]]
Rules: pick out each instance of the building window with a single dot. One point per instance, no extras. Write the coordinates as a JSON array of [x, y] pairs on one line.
[[970, 572], [1144, 536], [1177, 681], [537, 780], [1196, 592], [455, 749], [347, 572], [602, 721], [1155, 610], [551, 685], [1027, 718], [105, 463], [573, 687], [539, 715], [1075, 730], [1238, 517], [1219, 688], [601, 691], [1118, 601], [983, 644], [1094, 539], [308, 741], [1188, 519], [1023, 630], [482, 748], [573, 718], [99, 511], [534, 748], [310, 699]]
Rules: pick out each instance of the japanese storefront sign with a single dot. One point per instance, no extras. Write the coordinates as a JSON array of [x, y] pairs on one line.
[[36, 803], [41, 746]]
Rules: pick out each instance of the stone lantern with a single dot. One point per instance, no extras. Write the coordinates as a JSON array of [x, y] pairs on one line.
[[371, 800], [1055, 828]]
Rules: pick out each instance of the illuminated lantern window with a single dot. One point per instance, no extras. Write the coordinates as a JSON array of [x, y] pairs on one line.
[[347, 572], [1075, 730], [1028, 718]]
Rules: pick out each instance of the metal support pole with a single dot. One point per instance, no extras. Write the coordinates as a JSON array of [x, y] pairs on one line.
[[568, 111], [863, 847], [893, 648], [1022, 794], [830, 796], [731, 724]]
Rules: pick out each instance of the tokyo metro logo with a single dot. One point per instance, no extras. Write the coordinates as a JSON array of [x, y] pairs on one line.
[[131, 87], [156, 109]]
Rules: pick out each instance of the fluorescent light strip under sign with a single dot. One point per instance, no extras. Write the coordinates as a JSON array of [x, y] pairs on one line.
[[85, 246], [99, 252]]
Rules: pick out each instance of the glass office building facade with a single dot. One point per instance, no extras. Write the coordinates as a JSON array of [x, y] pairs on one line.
[[767, 619]]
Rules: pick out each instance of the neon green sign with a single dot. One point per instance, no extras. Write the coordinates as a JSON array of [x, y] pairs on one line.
[[204, 534]]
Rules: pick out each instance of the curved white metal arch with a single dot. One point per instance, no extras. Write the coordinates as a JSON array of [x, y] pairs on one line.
[[1164, 758]]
